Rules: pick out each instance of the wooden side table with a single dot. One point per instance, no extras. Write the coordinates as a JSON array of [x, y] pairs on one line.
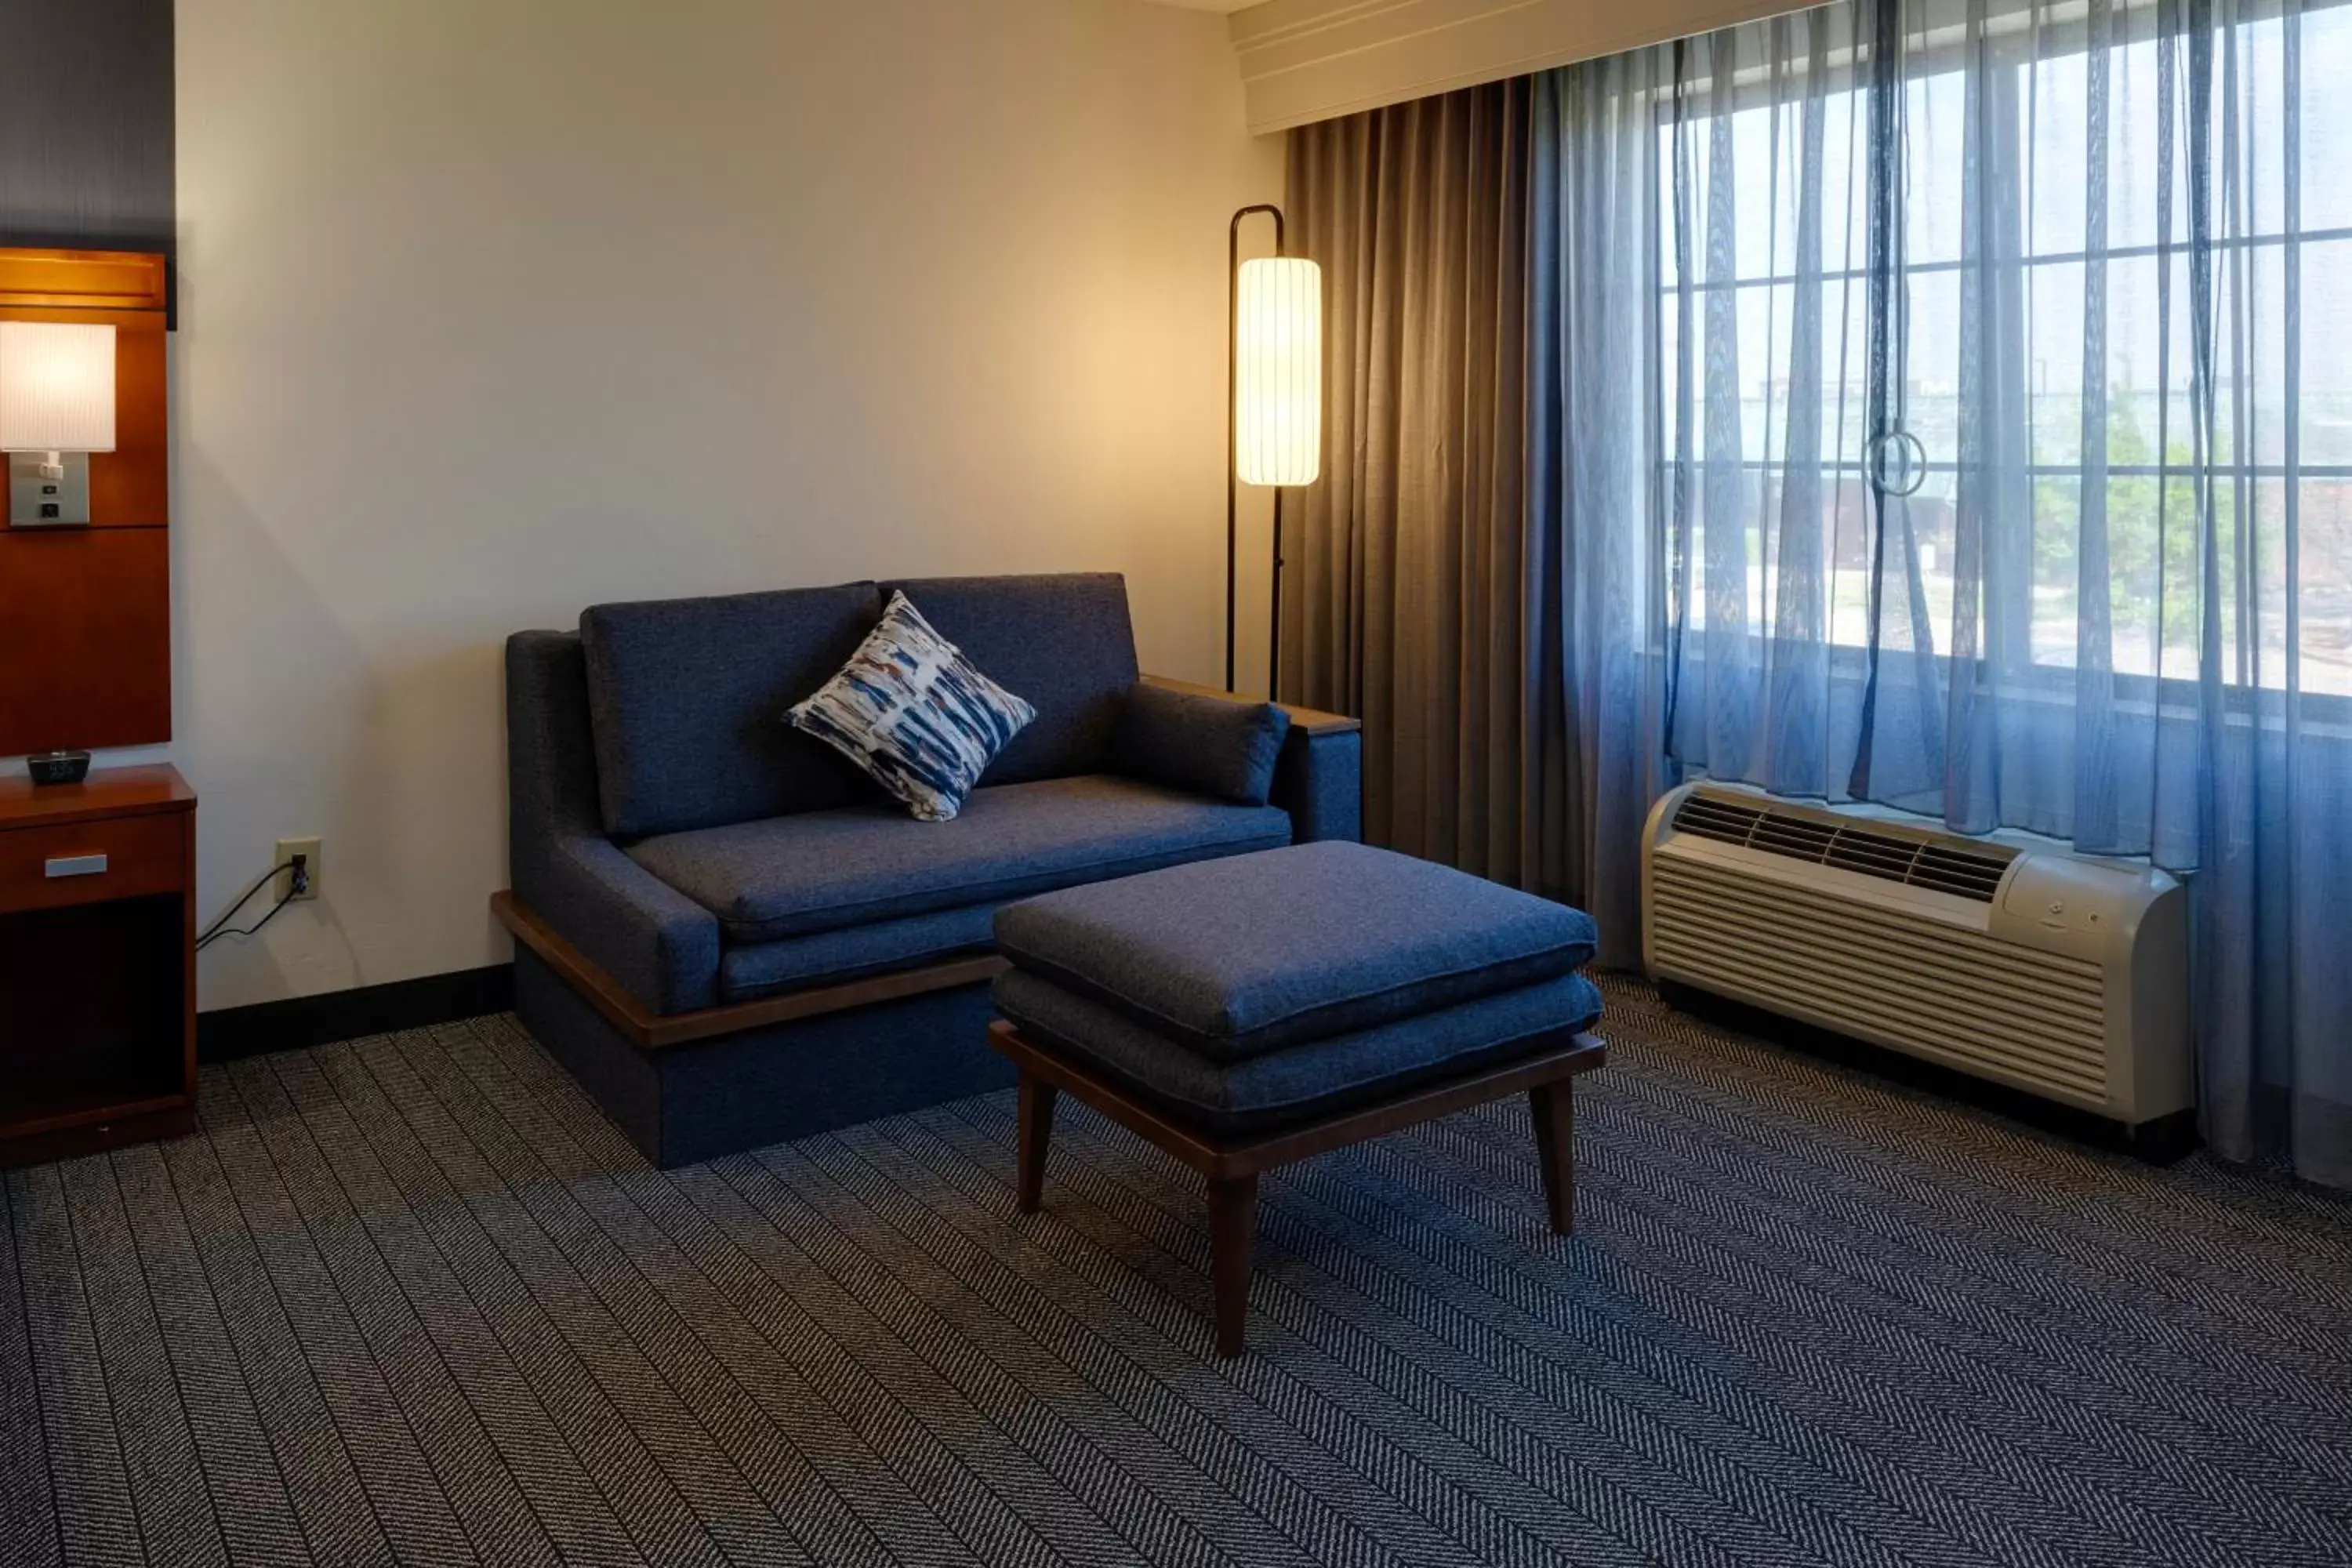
[[98, 963]]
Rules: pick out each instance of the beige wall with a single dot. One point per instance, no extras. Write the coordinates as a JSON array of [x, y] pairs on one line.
[[493, 309]]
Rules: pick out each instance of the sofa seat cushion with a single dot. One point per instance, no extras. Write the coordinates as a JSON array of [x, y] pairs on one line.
[[1241, 957], [828, 871], [854, 953], [1313, 1078]]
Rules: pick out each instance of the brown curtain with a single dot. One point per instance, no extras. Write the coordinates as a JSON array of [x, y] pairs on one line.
[[1402, 592]]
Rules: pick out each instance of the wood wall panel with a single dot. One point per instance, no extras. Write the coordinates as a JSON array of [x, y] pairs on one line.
[[81, 279], [86, 613], [130, 487], [85, 638]]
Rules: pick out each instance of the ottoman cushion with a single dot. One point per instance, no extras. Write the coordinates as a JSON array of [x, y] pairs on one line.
[[1234, 958], [1310, 1079]]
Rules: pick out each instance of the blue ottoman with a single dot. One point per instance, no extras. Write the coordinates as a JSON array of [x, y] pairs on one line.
[[1247, 1012]]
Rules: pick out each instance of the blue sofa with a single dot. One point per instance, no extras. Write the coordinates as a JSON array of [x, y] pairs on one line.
[[731, 937]]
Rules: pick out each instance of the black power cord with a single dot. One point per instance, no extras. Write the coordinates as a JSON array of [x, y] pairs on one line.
[[299, 866]]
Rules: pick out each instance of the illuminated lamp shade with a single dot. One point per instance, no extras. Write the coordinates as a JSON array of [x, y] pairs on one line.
[[1278, 372], [57, 388]]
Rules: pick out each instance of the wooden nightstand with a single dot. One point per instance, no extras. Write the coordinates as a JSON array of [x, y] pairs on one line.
[[98, 963]]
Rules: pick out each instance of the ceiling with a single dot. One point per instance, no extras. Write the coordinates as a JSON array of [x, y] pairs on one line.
[[1228, 7]]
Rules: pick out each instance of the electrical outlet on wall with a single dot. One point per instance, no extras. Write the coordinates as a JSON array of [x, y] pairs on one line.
[[286, 849]]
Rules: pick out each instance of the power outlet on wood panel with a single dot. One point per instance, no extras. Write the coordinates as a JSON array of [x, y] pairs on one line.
[[308, 848]]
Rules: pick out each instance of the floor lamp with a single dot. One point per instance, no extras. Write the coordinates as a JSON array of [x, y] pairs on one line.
[[1274, 403]]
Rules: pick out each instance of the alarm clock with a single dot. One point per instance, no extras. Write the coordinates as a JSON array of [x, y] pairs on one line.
[[57, 767]]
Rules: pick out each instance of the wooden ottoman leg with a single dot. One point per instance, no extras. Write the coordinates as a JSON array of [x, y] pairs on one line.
[[1232, 1227], [1553, 1106], [1037, 1112]]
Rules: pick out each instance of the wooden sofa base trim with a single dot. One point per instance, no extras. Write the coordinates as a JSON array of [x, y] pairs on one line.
[[657, 1031]]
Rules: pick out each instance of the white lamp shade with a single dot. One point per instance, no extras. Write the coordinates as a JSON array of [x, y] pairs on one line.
[[57, 388], [1278, 372]]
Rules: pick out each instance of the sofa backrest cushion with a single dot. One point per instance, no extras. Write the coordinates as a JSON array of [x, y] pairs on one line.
[[687, 699], [1062, 643]]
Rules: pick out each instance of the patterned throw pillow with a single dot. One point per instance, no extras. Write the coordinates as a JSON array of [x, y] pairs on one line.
[[910, 709]]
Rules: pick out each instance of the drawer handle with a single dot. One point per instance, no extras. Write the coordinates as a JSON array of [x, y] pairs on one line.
[[76, 866]]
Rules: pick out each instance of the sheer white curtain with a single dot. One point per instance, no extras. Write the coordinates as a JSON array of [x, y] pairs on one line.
[[1995, 423]]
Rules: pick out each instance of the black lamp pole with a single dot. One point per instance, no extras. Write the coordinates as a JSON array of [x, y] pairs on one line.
[[1233, 467]]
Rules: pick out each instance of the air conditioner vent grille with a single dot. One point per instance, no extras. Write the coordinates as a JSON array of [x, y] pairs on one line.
[[1795, 837], [1712, 817], [1964, 870], [1972, 873]]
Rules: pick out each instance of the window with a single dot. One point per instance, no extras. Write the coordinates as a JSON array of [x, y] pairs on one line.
[[2046, 342]]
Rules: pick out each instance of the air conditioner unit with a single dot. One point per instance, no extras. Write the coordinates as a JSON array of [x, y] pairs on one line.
[[2010, 958]]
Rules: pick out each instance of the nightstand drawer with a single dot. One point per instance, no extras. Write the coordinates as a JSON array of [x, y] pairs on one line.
[[91, 862]]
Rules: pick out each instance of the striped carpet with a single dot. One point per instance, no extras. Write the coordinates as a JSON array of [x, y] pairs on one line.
[[411, 1300]]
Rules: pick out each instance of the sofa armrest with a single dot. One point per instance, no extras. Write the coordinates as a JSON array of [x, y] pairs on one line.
[[1319, 779], [660, 945]]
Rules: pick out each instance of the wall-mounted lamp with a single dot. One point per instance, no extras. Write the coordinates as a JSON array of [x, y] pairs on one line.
[[1275, 407], [56, 406]]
